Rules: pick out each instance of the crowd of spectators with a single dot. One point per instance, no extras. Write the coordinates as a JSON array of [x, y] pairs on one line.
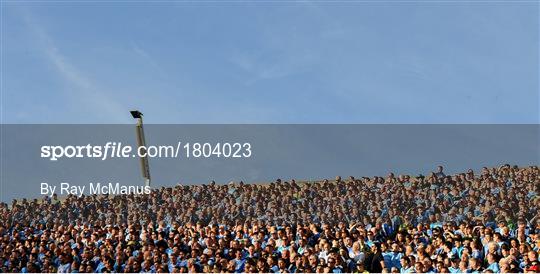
[[467, 223]]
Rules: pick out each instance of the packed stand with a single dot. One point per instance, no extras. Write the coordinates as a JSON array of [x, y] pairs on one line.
[[487, 222]]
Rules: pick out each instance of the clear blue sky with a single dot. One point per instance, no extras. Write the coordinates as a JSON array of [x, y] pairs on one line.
[[273, 62]]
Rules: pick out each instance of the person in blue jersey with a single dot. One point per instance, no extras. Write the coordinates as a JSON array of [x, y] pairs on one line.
[[492, 263], [239, 261], [454, 265], [64, 264], [273, 264], [406, 265]]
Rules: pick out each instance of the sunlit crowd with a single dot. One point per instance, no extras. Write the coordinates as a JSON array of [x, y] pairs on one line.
[[471, 222]]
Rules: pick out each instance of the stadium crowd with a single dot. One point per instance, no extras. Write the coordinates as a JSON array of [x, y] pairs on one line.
[[466, 223]]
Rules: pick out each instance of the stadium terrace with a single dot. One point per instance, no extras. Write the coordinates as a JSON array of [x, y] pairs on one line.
[[466, 222]]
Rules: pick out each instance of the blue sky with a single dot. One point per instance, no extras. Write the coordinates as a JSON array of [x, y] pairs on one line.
[[272, 62]]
